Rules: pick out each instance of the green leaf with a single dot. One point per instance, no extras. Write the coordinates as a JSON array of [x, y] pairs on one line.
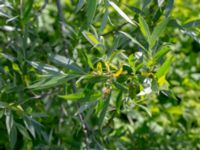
[[23, 131], [45, 68], [161, 53], [169, 7], [79, 5], [92, 78], [29, 125], [9, 121], [28, 9], [104, 21], [86, 106], [76, 68], [158, 30], [9, 57], [132, 39], [175, 110], [144, 28], [52, 81], [91, 9], [74, 96], [114, 54], [1, 113], [135, 9], [13, 137], [192, 24], [163, 70], [10, 125], [77, 96], [119, 101], [60, 60], [145, 109], [120, 86], [91, 38], [121, 13], [192, 34], [104, 110]]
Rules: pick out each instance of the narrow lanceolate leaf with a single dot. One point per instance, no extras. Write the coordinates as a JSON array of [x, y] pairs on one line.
[[91, 38], [192, 24], [13, 137], [9, 57], [163, 70], [145, 109], [77, 96], [132, 39], [74, 96], [135, 9], [86, 106], [144, 28], [169, 7], [52, 81], [59, 59], [76, 68], [29, 125], [12, 132], [45, 68], [80, 5], [192, 34], [161, 53], [104, 111], [121, 13], [158, 30], [9, 121], [91, 9], [104, 21]]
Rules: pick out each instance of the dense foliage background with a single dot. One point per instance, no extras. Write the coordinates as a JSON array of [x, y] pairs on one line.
[[100, 74]]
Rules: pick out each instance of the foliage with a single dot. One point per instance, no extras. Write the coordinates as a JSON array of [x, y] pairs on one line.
[[99, 74]]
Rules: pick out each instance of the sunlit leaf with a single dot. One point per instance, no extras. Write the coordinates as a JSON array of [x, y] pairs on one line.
[[161, 53], [144, 28], [158, 30], [45, 68], [77, 96], [163, 70], [121, 13], [132, 39], [91, 9], [91, 38]]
